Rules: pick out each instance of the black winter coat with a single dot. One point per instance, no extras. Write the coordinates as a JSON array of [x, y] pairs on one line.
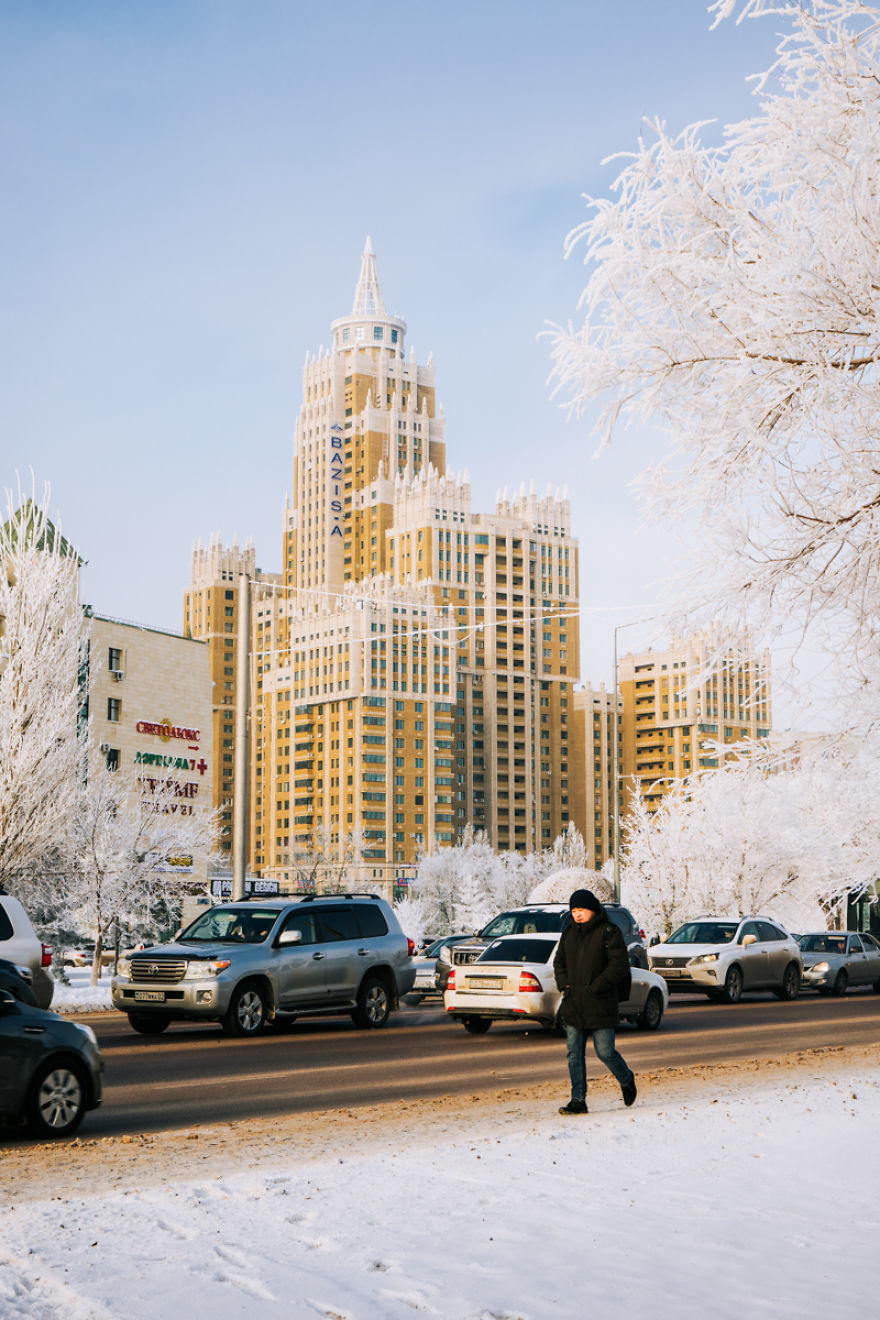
[[590, 960]]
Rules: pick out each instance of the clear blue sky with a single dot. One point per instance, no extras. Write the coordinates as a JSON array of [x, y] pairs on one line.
[[187, 189]]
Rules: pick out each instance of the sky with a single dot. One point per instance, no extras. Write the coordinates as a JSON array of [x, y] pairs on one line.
[[188, 190]]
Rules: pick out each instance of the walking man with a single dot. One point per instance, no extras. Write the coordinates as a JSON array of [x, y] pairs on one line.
[[590, 960]]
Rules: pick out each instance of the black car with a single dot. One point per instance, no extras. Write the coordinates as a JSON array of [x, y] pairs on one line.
[[51, 1071], [18, 981], [541, 917]]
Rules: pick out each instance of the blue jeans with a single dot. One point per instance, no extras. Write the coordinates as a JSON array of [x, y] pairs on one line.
[[603, 1044]]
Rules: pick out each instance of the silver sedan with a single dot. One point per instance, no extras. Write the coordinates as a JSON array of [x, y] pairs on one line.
[[513, 981], [836, 959]]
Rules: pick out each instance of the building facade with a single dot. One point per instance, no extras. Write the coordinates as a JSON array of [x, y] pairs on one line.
[[680, 712], [592, 773], [150, 710], [413, 666]]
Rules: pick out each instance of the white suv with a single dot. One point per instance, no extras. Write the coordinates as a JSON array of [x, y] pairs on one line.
[[20, 944], [723, 956]]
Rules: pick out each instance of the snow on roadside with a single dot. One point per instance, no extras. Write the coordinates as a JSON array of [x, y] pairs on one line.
[[716, 1201], [79, 996]]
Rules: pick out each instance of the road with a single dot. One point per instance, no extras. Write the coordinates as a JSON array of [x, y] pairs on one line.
[[194, 1074]]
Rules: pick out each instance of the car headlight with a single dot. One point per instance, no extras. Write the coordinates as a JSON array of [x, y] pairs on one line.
[[444, 955], [195, 971], [704, 958], [123, 968], [87, 1031], [819, 967]]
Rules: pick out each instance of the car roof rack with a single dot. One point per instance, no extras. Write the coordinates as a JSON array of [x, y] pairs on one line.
[[354, 893]]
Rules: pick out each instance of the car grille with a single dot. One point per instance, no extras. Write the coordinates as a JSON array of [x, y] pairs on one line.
[[659, 963], [165, 970], [462, 957]]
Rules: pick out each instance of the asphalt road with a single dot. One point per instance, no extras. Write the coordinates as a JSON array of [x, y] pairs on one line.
[[194, 1074]]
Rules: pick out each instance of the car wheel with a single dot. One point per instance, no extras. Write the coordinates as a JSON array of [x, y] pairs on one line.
[[246, 1014], [877, 986], [56, 1101], [733, 986], [373, 1004], [652, 1014], [841, 982], [148, 1024], [791, 983], [477, 1026]]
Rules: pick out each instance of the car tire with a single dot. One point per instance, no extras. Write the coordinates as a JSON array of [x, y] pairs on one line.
[[841, 983], [148, 1024], [791, 983], [652, 1014], [56, 1101], [733, 985], [477, 1026], [373, 1005], [246, 1014]]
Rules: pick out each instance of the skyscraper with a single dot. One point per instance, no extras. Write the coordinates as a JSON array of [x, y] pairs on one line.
[[413, 666]]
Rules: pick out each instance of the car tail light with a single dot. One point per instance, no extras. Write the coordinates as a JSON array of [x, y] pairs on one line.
[[642, 935], [450, 984], [410, 947], [47, 955], [529, 983]]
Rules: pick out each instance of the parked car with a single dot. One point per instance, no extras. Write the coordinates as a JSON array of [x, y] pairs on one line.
[[51, 1071], [431, 972], [83, 955], [536, 917], [724, 956], [836, 959], [19, 944], [18, 981], [243, 964], [512, 980]]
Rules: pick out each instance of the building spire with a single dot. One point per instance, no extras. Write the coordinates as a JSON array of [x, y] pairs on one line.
[[368, 296]]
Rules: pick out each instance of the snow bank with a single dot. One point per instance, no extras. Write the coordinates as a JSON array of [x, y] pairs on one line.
[[79, 996], [695, 1202]]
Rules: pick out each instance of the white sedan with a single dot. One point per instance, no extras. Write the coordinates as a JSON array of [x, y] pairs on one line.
[[513, 981]]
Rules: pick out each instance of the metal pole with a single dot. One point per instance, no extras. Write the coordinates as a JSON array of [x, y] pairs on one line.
[[240, 790]]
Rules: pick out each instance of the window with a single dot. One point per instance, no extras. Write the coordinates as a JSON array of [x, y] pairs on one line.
[[114, 709], [114, 658], [113, 758]]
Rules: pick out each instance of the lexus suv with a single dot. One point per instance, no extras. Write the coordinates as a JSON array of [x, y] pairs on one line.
[[536, 918], [245, 963], [724, 956]]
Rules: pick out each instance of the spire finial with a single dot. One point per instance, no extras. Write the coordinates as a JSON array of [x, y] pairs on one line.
[[368, 299]]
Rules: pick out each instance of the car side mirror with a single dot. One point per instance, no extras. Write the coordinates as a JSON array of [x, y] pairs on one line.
[[749, 939], [8, 1003], [288, 937]]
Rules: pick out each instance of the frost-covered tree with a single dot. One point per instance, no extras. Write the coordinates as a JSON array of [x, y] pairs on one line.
[[733, 301], [123, 843], [753, 837], [326, 864], [568, 850], [462, 888], [43, 677]]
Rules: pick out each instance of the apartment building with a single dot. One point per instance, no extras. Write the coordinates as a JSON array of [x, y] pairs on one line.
[[592, 769], [413, 666]]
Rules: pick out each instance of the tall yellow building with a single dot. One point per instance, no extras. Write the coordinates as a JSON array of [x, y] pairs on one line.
[[592, 769], [413, 665], [677, 715]]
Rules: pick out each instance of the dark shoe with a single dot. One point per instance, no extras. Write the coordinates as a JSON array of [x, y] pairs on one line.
[[574, 1107], [629, 1092]]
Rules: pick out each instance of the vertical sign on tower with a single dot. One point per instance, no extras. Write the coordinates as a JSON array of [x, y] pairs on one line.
[[336, 481]]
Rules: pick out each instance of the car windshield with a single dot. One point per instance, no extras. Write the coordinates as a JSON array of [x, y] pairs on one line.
[[705, 932], [524, 923], [230, 925], [525, 950], [823, 943]]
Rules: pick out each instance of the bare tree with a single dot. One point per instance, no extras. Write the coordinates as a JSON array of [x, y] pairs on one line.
[[43, 693], [325, 864], [733, 301]]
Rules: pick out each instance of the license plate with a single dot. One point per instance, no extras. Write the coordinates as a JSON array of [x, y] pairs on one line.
[[485, 983], [152, 996]]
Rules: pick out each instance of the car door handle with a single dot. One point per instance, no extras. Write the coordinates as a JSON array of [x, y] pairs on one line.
[[362, 953], [317, 956], [34, 1031]]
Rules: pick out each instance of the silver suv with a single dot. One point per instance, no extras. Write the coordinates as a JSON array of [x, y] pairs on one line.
[[723, 956], [245, 963], [20, 944]]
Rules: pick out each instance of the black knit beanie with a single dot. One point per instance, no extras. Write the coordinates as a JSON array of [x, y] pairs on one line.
[[584, 898]]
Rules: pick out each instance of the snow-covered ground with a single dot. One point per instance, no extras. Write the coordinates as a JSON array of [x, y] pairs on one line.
[[741, 1192], [79, 996]]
